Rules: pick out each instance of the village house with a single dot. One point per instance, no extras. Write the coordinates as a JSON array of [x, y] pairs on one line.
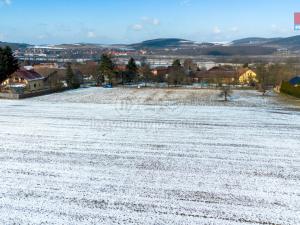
[[23, 81], [295, 81], [46, 65], [120, 67], [53, 81], [217, 74], [160, 71], [247, 77]]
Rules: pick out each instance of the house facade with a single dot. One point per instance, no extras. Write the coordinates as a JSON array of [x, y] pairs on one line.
[[23, 81], [160, 71], [247, 77], [218, 74]]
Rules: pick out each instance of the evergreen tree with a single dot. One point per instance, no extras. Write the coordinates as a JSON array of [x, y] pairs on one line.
[[70, 77], [8, 63], [176, 63], [132, 70], [106, 70], [77, 79], [246, 65]]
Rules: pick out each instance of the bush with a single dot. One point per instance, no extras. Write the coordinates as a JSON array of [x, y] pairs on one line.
[[289, 89]]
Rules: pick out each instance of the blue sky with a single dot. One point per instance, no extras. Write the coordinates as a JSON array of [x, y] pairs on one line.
[[128, 21]]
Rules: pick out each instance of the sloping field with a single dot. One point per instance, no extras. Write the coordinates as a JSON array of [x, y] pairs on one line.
[[127, 156]]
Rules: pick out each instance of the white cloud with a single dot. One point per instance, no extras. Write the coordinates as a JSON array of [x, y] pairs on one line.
[[185, 2], [274, 26], [145, 23], [278, 30], [41, 36], [6, 2], [137, 27], [145, 18], [217, 30], [156, 22], [234, 29], [152, 21], [91, 34]]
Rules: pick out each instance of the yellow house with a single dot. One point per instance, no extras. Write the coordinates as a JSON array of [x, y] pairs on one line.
[[26, 81], [247, 76]]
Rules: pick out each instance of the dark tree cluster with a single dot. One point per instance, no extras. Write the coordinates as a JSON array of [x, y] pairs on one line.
[[131, 74], [289, 89], [8, 63], [177, 74], [272, 75], [72, 78], [108, 74], [106, 71]]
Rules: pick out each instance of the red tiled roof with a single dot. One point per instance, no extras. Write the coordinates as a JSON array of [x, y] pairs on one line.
[[28, 75]]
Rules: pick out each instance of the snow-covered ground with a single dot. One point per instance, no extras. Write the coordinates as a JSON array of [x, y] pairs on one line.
[[150, 156]]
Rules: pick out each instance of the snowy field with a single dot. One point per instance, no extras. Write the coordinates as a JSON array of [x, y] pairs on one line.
[[155, 157]]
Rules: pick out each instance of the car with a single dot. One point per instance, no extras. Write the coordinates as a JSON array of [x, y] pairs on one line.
[[107, 86]]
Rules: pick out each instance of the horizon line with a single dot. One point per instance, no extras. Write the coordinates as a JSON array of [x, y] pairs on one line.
[[95, 43]]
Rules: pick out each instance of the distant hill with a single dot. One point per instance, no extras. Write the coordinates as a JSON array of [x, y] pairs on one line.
[[292, 43], [14, 46], [78, 46], [163, 43], [254, 41], [176, 46]]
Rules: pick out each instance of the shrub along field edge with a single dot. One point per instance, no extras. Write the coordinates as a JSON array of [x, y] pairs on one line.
[[289, 89]]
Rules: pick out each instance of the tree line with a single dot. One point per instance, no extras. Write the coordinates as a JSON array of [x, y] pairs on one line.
[[271, 75], [108, 73]]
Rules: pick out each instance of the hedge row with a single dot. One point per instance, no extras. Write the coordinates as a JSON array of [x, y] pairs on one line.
[[289, 89]]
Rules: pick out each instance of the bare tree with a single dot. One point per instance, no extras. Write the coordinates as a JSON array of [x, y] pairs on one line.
[[225, 92], [263, 77], [146, 73], [176, 77]]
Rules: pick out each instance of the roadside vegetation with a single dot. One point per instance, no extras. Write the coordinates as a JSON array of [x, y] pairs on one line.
[[289, 89]]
